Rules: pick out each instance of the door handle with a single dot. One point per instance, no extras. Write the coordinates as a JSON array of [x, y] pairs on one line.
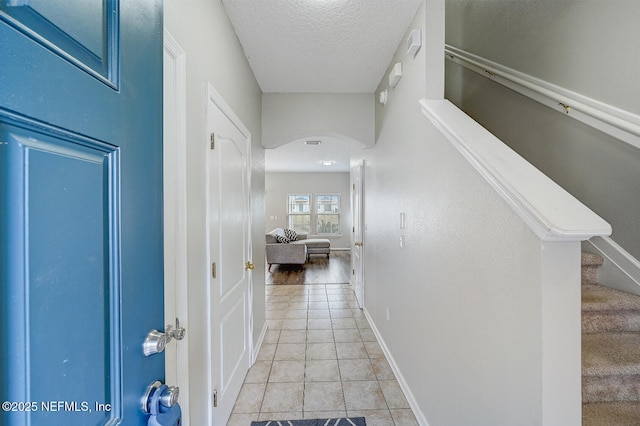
[[156, 341], [249, 265], [357, 244]]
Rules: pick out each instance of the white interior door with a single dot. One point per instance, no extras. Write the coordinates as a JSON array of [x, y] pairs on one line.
[[229, 251], [357, 249]]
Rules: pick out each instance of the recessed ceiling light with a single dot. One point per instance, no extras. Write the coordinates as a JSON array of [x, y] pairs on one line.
[[312, 142], [328, 162]]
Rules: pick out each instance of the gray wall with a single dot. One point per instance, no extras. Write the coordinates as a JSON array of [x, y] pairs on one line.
[[278, 185], [589, 47]]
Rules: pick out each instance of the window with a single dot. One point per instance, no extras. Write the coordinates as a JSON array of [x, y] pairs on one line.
[[299, 212], [327, 214], [323, 217]]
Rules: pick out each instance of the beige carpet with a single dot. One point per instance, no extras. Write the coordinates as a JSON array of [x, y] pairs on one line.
[[605, 309], [611, 414], [610, 352]]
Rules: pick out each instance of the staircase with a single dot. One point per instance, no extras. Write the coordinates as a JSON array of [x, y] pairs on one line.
[[610, 351]]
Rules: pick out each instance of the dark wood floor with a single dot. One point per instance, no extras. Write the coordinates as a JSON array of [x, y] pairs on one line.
[[318, 270]]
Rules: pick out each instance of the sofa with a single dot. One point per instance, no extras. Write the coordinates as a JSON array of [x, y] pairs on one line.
[[281, 249]]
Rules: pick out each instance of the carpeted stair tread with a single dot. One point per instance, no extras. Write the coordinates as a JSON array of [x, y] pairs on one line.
[[614, 388], [589, 271], [611, 414], [590, 259], [605, 309], [601, 298], [611, 354], [620, 321]]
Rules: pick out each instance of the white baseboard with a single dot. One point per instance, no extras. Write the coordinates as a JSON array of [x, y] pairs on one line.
[[256, 349], [422, 420], [620, 270]]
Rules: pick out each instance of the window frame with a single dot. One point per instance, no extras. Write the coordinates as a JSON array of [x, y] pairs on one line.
[[290, 215], [316, 206], [313, 213]]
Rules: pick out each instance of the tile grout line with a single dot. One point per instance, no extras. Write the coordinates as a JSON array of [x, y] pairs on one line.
[[340, 297], [335, 346]]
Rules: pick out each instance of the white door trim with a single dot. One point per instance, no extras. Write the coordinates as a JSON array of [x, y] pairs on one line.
[[358, 235], [175, 190]]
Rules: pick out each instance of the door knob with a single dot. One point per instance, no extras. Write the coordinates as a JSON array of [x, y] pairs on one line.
[[166, 396], [249, 265], [161, 402], [156, 341]]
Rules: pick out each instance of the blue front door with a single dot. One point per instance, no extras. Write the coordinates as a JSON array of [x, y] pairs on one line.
[[80, 209]]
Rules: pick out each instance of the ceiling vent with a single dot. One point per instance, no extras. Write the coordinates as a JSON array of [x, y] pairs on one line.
[[312, 142]]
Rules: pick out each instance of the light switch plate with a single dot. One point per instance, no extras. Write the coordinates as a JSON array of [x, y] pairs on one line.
[[395, 75]]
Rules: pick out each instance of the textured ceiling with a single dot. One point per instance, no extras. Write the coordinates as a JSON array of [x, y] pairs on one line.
[[320, 46]]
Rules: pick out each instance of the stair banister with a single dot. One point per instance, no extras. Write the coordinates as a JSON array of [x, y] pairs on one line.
[[551, 212], [558, 223]]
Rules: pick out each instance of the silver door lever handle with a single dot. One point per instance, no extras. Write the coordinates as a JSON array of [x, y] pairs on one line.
[[156, 341]]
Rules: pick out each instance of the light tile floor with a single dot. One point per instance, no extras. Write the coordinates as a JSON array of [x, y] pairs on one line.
[[319, 359]]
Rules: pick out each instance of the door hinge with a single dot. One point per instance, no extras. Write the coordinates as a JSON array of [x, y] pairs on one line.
[[213, 270], [354, 186], [354, 230], [353, 272], [213, 140], [215, 398]]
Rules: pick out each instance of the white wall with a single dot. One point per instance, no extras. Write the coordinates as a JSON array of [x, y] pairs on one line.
[[291, 116], [466, 294], [278, 185], [214, 54]]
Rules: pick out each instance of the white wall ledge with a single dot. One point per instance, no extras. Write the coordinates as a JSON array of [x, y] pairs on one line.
[[551, 212]]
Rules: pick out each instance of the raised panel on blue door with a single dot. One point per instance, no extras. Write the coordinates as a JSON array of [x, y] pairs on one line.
[[67, 299], [89, 42]]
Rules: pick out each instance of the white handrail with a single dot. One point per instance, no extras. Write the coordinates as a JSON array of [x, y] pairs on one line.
[[550, 211], [609, 119]]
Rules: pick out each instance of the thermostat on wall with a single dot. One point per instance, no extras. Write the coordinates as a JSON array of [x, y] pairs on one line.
[[414, 42]]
